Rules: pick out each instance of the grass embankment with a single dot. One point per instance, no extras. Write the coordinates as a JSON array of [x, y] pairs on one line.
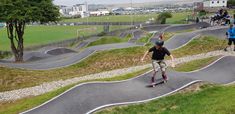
[[38, 35], [145, 39], [99, 62], [26, 103], [110, 40], [168, 35], [177, 18], [194, 65], [210, 99], [15, 107], [201, 45]]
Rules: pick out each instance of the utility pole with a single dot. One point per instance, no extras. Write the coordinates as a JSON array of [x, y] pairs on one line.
[[132, 21]]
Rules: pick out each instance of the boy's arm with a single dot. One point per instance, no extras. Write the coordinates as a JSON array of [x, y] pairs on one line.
[[145, 54]]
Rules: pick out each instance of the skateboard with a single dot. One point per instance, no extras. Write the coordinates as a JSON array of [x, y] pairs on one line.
[[159, 82]]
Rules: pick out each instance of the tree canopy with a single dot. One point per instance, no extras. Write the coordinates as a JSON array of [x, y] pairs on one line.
[[28, 10], [16, 13], [231, 3], [163, 16]]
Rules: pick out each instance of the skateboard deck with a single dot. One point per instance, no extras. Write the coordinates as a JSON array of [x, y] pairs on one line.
[[159, 82]]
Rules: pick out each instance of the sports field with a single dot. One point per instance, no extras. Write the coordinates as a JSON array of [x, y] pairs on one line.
[[176, 19], [37, 35]]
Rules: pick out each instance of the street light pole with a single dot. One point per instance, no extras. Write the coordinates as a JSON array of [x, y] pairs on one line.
[[87, 13], [132, 13]]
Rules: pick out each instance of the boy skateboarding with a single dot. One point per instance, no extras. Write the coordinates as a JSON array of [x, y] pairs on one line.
[[231, 37], [158, 55]]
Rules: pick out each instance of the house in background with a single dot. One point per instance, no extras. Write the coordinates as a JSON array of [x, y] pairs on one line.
[[100, 12], [75, 10], [198, 6], [214, 5], [80, 9]]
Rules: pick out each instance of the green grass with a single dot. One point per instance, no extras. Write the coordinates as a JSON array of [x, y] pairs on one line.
[[195, 65], [145, 39], [176, 19], [27, 103], [109, 40], [99, 62], [37, 35], [209, 100], [201, 45], [21, 105], [168, 35]]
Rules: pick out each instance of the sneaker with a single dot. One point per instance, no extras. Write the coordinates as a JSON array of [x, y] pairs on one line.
[[153, 85], [165, 81], [165, 77]]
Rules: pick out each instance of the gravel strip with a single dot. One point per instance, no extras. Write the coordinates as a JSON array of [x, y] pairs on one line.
[[51, 86]]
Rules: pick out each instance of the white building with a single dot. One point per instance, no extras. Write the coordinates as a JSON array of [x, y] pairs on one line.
[[76, 10], [80, 9], [215, 3], [99, 13]]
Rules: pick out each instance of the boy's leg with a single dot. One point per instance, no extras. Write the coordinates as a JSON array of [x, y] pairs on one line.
[[163, 66], [233, 44], [155, 70], [229, 44]]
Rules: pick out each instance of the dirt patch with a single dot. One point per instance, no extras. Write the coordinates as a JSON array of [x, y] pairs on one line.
[[194, 87]]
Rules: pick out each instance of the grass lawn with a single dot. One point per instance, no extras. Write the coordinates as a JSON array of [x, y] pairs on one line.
[[110, 40], [176, 19], [26, 103], [103, 61], [209, 100], [37, 35], [168, 35], [145, 39]]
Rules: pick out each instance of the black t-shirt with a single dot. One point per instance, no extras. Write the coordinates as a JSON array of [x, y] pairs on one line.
[[159, 54]]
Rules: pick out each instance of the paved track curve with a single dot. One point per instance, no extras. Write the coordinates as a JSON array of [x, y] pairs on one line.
[[65, 59], [90, 97], [72, 58]]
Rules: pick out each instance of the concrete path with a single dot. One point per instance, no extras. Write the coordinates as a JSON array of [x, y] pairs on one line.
[[90, 97]]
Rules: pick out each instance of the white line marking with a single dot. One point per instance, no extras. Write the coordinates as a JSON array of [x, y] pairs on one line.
[[97, 82], [197, 36], [143, 101]]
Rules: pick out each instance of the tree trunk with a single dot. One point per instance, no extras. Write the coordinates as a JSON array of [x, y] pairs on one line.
[[15, 32]]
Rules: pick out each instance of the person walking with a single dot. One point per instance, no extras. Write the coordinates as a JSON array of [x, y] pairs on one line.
[[231, 37], [158, 55]]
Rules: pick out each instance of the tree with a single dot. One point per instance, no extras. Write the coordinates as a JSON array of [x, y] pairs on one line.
[[202, 13], [162, 17], [17, 13], [231, 3]]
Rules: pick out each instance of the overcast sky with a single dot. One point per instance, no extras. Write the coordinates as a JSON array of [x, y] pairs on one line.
[[72, 2]]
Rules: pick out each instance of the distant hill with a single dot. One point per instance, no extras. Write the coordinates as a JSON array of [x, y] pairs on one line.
[[147, 4]]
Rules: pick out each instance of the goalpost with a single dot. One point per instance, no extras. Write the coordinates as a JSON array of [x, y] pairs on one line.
[[81, 33]]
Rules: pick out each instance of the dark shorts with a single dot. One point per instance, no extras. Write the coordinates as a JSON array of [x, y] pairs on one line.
[[231, 41]]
